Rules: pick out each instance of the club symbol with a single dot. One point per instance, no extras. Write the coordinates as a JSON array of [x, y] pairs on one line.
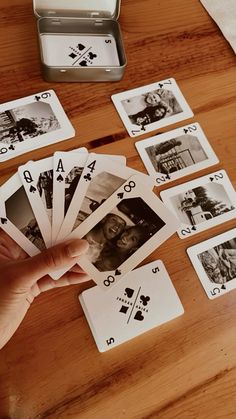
[[138, 316], [120, 195], [72, 55], [87, 177], [129, 292], [60, 178], [11, 147], [144, 300], [3, 220], [83, 63], [117, 272], [92, 55], [37, 98], [32, 189], [81, 47], [124, 309], [168, 176], [185, 130], [160, 85]]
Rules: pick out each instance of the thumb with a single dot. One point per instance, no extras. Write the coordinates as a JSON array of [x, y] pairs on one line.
[[30, 270]]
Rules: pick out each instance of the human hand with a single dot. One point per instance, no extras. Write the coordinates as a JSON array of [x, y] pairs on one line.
[[22, 278]]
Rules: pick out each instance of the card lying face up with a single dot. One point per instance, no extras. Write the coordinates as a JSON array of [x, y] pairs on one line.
[[176, 153], [32, 122], [214, 261], [202, 203], [123, 231], [144, 299], [151, 107]]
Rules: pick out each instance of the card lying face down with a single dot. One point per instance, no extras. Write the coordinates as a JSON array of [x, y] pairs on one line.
[[32, 122], [144, 299]]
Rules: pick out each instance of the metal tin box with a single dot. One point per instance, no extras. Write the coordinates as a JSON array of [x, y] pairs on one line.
[[79, 42]]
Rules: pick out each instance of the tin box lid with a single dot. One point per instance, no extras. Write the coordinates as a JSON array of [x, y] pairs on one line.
[[95, 9]]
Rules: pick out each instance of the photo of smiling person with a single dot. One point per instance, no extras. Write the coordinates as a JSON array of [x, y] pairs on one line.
[[106, 230]]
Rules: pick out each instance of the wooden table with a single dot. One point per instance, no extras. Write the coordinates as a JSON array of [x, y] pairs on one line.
[[51, 368]]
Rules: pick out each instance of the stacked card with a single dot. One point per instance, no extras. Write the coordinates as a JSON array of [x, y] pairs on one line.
[[91, 196]]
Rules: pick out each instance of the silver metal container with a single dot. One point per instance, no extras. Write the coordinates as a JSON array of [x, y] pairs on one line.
[[79, 42]]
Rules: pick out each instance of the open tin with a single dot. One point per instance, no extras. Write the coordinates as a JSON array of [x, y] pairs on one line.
[[79, 42]]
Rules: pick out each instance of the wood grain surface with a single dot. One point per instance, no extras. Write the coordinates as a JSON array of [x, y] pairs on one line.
[[186, 368]]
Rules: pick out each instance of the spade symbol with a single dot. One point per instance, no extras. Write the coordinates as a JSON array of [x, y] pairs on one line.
[[32, 189], [60, 178], [194, 228], [117, 272], [223, 287], [81, 47], [11, 147], [3, 220], [211, 179], [87, 177], [144, 300], [129, 292], [120, 195], [83, 63], [138, 316]]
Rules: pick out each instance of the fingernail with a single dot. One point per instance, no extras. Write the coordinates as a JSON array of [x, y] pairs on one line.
[[77, 248]]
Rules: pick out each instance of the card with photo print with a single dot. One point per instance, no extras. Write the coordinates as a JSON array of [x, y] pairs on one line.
[[201, 203], [214, 261], [176, 153], [37, 179], [151, 107], [79, 50], [100, 178], [144, 299], [17, 218], [123, 231], [67, 169], [32, 122]]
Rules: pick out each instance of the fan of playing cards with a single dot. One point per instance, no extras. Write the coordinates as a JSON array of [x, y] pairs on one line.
[[91, 196]]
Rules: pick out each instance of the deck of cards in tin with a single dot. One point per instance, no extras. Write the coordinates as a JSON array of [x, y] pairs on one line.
[[80, 41]]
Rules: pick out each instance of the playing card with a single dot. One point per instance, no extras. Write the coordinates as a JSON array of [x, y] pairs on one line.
[[17, 218], [100, 178], [32, 122], [79, 50], [145, 299], [67, 169], [176, 153], [151, 107], [123, 231], [202, 203], [214, 261], [37, 179]]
